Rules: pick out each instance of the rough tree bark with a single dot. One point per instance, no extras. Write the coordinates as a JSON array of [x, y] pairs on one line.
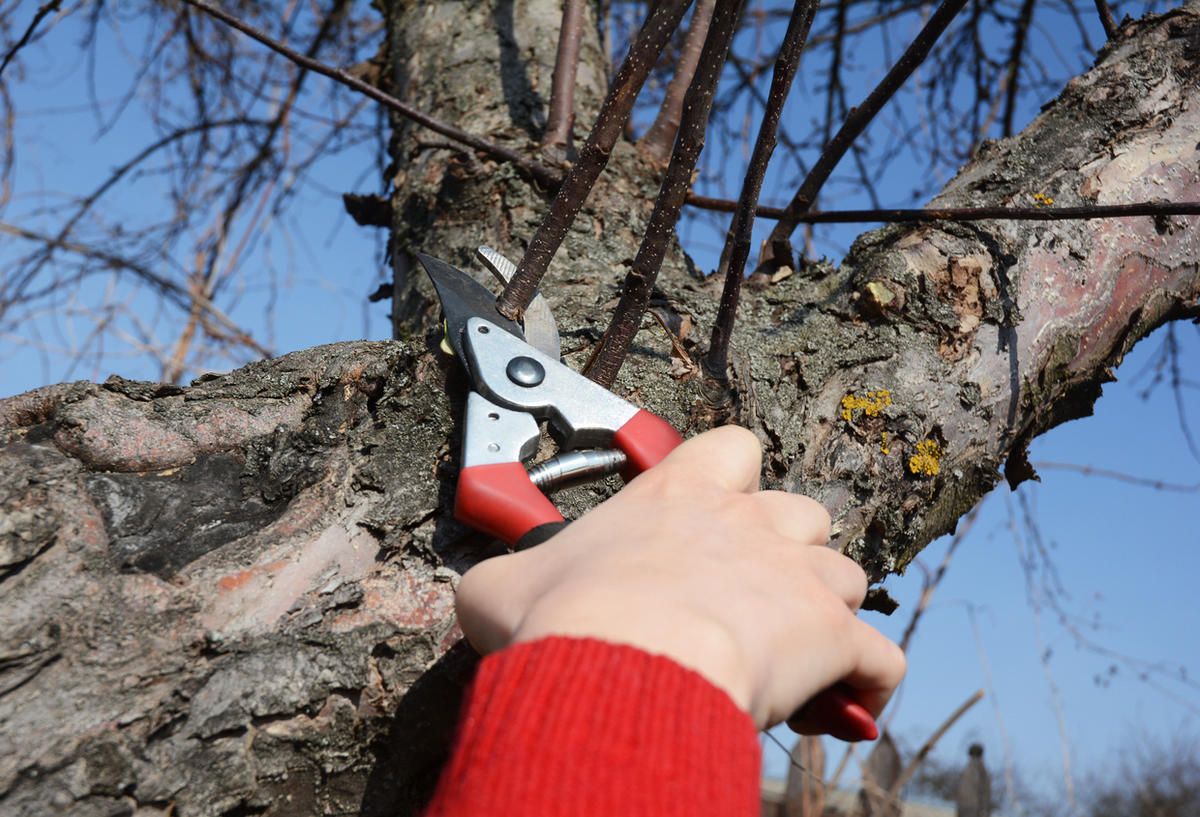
[[235, 598]]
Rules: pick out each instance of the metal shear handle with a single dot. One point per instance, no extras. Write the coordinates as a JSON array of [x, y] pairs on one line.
[[516, 384]]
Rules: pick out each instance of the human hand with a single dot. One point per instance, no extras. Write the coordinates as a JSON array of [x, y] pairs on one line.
[[693, 562]]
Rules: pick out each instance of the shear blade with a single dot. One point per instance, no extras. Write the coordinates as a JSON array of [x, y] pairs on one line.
[[463, 298], [541, 330]]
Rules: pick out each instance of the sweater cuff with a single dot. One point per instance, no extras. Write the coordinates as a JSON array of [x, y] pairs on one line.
[[582, 727]]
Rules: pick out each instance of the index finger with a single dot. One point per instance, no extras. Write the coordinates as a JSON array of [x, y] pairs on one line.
[[729, 457]]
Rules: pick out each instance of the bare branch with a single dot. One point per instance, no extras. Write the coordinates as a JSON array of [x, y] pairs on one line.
[[778, 246], [656, 143], [930, 743], [1106, 18], [737, 241], [657, 30], [536, 170], [166, 286], [1012, 82], [35, 265], [43, 11], [930, 214], [1093, 471], [931, 584], [639, 283], [562, 86]]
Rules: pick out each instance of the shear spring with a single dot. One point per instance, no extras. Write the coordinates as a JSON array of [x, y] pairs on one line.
[[575, 468]]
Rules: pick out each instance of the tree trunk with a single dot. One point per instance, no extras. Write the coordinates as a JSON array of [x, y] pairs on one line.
[[236, 598]]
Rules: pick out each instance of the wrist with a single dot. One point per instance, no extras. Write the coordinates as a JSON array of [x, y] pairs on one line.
[[691, 640]]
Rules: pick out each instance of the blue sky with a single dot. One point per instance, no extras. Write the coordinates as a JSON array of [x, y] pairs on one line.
[[1126, 556]]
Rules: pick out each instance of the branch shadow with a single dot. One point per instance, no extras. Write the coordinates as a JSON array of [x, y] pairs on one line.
[[526, 108]]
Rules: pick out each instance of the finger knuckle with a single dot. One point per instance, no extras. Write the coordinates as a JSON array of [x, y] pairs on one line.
[[856, 577], [663, 482], [818, 517]]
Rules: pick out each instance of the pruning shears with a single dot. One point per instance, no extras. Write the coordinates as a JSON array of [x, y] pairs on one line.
[[515, 383], [517, 380]]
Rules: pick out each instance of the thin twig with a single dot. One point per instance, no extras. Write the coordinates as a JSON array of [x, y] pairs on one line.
[[562, 86], [847, 756], [1092, 471], [1106, 18], [639, 283], [542, 174], [930, 214], [927, 746], [1034, 594], [737, 241], [932, 584], [643, 54], [795, 150], [657, 141], [777, 243], [35, 265], [43, 11], [166, 286], [1012, 84], [1010, 775], [1172, 352]]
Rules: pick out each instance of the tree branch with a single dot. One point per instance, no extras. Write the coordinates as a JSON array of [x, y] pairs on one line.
[[1024, 19], [639, 283], [1106, 18], [932, 582], [656, 143], [166, 286], [562, 86], [737, 241], [539, 172], [35, 265], [1093, 471], [927, 747], [777, 243], [931, 214], [662, 22], [45, 10]]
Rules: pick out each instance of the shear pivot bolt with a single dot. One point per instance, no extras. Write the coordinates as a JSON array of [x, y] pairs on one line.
[[525, 371]]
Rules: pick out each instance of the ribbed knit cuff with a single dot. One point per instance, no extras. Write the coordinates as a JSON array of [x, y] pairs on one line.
[[580, 727]]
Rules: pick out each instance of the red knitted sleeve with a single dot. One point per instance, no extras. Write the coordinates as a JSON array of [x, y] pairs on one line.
[[580, 727]]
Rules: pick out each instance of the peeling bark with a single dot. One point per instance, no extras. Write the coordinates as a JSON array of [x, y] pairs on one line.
[[236, 597]]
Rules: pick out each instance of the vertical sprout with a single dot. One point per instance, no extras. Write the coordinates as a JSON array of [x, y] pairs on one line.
[[639, 283]]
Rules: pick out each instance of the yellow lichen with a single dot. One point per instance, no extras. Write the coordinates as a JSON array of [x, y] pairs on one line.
[[872, 403], [927, 460], [1042, 200], [884, 448]]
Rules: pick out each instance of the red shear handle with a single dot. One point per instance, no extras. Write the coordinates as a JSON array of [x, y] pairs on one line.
[[645, 439], [501, 501], [837, 712]]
